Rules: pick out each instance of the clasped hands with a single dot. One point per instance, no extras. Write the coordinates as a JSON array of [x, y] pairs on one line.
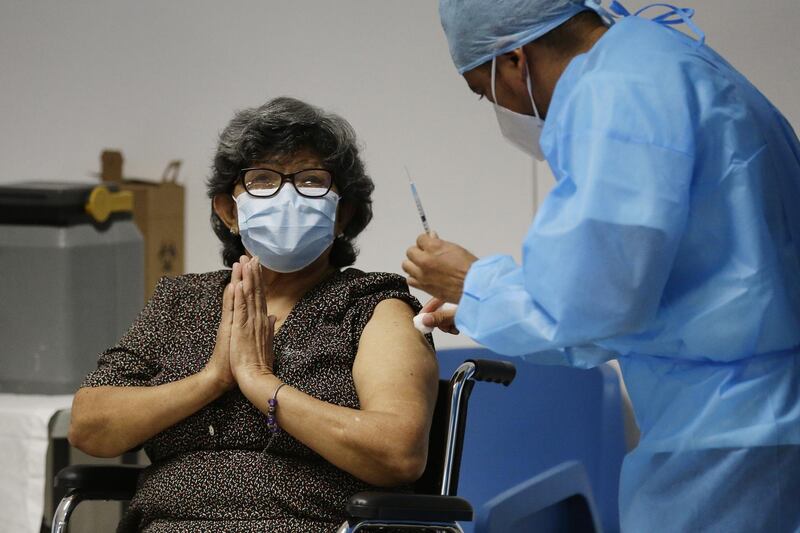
[[243, 348], [439, 268]]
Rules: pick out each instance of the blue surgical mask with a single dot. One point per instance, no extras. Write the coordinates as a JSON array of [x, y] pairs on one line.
[[287, 232]]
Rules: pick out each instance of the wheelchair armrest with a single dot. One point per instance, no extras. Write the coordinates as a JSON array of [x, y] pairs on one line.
[[100, 482], [417, 507], [494, 371]]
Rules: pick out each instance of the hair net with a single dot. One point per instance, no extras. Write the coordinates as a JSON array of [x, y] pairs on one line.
[[478, 30]]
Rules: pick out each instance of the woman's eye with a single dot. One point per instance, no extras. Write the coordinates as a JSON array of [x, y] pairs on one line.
[[313, 181]]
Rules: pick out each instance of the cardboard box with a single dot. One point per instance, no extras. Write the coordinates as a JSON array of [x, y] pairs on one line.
[[158, 208]]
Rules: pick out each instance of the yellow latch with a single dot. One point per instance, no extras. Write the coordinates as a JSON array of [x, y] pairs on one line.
[[102, 203]]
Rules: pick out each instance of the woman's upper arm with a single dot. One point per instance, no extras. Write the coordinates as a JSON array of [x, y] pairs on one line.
[[395, 369]]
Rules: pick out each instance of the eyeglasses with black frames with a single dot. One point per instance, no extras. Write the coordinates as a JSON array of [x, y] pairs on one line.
[[265, 182]]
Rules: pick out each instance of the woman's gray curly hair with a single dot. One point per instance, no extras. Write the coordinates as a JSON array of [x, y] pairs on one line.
[[282, 127]]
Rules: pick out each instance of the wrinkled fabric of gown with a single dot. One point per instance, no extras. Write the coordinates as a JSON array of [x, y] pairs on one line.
[[219, 469], [671, 242]]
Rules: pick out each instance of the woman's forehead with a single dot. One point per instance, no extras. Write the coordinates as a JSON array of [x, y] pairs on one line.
[[298, 160]]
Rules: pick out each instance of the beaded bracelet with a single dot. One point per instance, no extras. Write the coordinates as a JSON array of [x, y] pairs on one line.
[[272, 406]]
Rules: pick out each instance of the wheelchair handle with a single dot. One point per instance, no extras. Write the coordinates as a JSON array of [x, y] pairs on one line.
[[461, 383], [494, 371]]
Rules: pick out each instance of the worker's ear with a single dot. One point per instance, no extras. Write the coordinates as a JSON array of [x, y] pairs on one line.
[[514, 65], [225, 208], [512, 72]]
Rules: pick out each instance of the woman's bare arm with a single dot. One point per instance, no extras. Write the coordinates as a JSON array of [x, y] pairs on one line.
[[108, 421], [396, 377]]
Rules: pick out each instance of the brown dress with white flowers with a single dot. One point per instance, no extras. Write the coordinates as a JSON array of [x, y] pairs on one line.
[[219, 470]]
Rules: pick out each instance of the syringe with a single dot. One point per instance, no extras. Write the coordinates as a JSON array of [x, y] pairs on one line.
[[421, 211], [422, 328]]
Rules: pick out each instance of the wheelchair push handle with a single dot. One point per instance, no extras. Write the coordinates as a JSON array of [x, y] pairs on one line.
[[494, 371]]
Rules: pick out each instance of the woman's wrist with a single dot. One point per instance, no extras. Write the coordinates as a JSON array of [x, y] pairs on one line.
[[257, 379], [213, 382]]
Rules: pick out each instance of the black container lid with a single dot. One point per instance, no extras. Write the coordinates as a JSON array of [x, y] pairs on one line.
[[49, 203]]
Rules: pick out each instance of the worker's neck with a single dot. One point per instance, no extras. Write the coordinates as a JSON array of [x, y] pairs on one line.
[[592, 37], [550, 65]]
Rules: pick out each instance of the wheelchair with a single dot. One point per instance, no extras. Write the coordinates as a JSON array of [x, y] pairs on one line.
[[433, 506]]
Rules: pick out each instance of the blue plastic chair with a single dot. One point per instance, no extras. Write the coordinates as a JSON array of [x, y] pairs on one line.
[[548, 416], [559, 500]]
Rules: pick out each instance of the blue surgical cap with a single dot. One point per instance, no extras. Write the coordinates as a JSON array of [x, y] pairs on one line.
[[478, 30]]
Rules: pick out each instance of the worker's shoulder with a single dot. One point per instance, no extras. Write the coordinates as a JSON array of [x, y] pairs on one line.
[[643, 48], [640, 64]]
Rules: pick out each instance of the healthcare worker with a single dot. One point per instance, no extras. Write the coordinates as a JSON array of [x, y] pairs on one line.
[[671, 242]]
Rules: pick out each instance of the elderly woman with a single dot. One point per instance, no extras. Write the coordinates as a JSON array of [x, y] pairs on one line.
[[267, 394]]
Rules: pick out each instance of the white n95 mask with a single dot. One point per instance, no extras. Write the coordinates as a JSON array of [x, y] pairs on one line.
[[287, 232], [523, 131]]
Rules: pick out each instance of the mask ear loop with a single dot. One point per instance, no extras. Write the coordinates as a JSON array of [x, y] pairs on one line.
[[530, 90], [528, 80], [494, 70]]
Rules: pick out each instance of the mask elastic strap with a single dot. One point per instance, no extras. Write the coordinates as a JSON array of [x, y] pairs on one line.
[[528, 79], [494, 70], [530, 91]]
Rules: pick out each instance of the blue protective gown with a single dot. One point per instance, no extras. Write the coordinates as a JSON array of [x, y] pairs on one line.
[[671, 242]]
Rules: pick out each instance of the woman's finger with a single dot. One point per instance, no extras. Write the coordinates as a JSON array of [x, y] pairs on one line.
[[260, 301], [227, 308], [236, 273], [247, 285], [258, 317], [239, 307]]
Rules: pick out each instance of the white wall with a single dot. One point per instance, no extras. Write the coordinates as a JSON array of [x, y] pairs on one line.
[[160, 79]]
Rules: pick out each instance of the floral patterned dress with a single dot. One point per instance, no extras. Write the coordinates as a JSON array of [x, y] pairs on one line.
[[219, 469]]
